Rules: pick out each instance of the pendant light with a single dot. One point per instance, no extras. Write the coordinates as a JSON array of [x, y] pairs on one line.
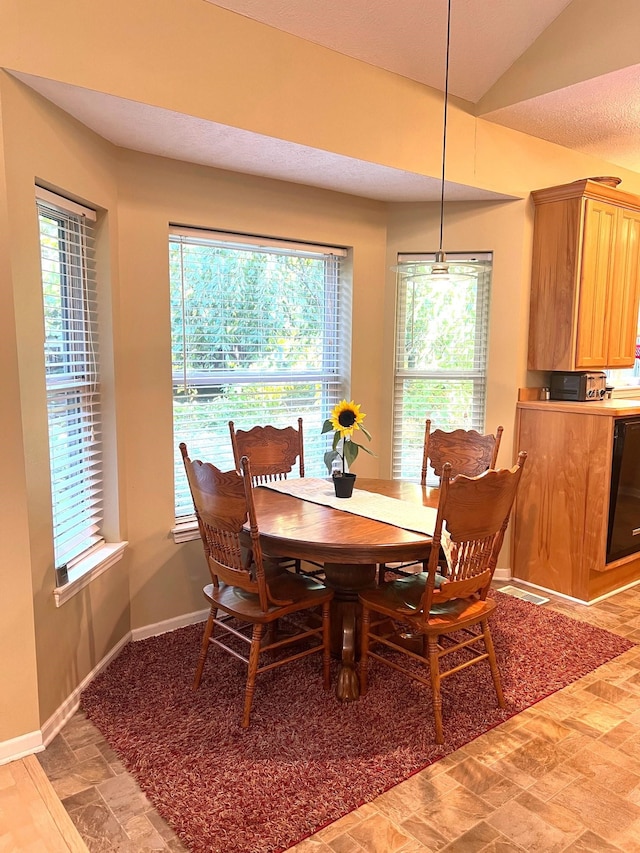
[[439, 269]]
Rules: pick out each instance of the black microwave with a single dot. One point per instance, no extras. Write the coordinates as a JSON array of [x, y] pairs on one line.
[[578, 386]]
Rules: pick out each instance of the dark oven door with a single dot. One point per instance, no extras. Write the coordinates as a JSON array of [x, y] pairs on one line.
[[624, 504]]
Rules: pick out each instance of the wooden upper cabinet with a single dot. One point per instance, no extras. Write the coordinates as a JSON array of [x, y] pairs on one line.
[[585, 284]]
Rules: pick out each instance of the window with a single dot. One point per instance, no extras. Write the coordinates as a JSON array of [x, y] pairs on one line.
[[441, 354], [258, 336], [72, 375], [628, 378]]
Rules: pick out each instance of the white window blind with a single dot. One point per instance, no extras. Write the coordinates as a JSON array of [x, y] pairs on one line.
[[441, 354], [259, 336], [627, 377], [72, 374]]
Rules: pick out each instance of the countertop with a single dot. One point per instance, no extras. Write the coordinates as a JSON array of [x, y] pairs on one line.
[[615, 408]]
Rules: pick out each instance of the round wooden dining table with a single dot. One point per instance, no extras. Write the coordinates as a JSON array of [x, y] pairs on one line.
[[349, 546]]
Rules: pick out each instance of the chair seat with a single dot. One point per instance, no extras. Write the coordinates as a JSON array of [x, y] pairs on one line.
[[459, 612], [406, 594], [299, 591]]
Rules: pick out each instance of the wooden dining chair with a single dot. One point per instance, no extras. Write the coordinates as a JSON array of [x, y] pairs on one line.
[[242, 599], [467, 451], [274, 453], [473, 514]]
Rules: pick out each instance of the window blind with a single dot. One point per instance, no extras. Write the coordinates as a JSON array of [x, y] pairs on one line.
[[259, 336], [72, 374], [441, 353]]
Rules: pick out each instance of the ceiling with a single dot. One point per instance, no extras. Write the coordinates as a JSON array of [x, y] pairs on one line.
[[507, 58]]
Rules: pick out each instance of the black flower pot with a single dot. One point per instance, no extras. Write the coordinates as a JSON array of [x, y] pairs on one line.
[[344, 485]]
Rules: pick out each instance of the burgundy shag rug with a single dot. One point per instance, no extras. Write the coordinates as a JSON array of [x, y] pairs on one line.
[[307, 759]]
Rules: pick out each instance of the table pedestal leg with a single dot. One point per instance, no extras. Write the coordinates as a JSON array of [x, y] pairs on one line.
[[347, 581]]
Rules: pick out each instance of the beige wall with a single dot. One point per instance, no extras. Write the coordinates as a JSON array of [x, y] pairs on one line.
[[138, 196], [166, 580], [285, 88], [193, 57], [19, 712], [196, 58], [42, 144]]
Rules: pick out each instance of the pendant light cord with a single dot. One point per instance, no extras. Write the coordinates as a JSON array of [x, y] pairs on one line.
[[444, 123]]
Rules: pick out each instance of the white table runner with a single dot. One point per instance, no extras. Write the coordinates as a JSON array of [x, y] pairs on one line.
[[405, 514]]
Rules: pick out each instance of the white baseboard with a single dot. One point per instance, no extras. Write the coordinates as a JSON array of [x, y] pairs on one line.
[[70, 705], [11, 750], [18, 747], [169, 625], [577, 600]]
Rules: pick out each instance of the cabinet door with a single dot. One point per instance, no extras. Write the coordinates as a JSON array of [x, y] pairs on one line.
[[598, 250], [625, 295]]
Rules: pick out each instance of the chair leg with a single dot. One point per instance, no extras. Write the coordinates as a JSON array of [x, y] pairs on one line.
[[254, 655], [326, 642], [204, 648], [434, 668], [365, 625], [493, 663], [382, 569], [272, 632]]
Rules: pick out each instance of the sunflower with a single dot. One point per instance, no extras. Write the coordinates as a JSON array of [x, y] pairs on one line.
[[346, 418]]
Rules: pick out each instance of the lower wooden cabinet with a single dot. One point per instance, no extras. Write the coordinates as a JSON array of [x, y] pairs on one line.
[[559, 525]]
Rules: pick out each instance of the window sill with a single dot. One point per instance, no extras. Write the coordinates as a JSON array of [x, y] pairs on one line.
[[626, 391], [85, 571], [186, 531]]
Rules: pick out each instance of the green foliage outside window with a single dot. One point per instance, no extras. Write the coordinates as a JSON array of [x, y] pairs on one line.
[[440, 360], [254, 340]]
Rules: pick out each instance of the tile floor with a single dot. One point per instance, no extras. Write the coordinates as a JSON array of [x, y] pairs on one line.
[[563, 775]]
